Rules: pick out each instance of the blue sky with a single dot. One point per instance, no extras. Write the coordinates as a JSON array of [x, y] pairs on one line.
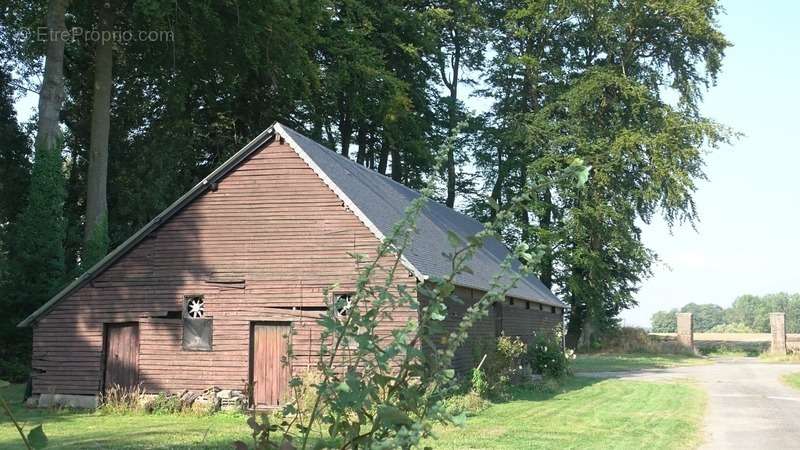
[[748, 237]]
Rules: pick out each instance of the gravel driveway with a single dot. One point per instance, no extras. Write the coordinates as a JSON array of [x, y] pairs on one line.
[[749, 407]]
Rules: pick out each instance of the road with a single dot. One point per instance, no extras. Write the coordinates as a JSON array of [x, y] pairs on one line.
[[749, 407]]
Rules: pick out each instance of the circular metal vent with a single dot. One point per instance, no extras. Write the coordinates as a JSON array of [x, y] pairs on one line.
[[195, 308]]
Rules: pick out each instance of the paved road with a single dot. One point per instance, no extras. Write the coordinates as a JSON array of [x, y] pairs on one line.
[[749, 407]]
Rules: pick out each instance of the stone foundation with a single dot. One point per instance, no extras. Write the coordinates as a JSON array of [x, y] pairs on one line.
[[63, 401]]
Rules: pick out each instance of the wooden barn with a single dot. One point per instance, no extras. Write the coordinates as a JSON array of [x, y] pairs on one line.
[[206, 293]]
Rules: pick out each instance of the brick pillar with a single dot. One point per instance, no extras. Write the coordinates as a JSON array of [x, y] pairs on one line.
[[777, 323], [685, 329]]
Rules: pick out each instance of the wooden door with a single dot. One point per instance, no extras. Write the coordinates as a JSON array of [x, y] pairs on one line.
[[270, 375], [122, 355]]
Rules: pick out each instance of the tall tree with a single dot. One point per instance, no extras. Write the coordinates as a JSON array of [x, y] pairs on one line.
[[461, 43], [96, 240], [36, 245], [587, 78]]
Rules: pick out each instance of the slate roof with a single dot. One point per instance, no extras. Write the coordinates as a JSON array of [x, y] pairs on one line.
[[377, 199], [383, 201]]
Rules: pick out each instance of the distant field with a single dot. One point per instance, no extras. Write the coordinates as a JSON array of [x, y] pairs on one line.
[[732, 337]]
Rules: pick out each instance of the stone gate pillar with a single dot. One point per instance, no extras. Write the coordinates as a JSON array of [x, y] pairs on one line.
[[777, 324], [685, 330]]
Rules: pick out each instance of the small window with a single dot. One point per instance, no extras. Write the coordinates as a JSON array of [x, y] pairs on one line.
[[198, 330], [527, 305], [553, 309], [541, 307], [197, 334], [511, 301], [342, 303]]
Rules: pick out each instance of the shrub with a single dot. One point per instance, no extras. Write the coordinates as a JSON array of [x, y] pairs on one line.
[[547, 356], [638, 340], [15, 370], [165, 404], [503, 364], [470, 404]]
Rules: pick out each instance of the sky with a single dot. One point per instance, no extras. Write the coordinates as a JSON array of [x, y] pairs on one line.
[[748, 238]]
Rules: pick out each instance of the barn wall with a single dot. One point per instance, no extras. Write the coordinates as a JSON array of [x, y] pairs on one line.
[[271, 237], [510, 319]]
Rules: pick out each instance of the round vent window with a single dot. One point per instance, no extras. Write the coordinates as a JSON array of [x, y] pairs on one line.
[[195, 308]]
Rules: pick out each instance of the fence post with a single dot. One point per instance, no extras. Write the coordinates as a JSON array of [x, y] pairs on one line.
[[685, 330], [777, 324]]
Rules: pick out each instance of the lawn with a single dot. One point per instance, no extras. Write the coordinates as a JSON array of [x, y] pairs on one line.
[[621, 362], [584, 413], [792, 379], [588, 414], [84, 430]]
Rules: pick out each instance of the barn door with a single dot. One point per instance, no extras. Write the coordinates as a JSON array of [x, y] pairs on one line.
[[122, 355], [270, 376]]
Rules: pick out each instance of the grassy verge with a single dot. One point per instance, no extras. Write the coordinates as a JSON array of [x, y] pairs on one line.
[[79, 430], [788, 358], [792, 379], [582, 413], [621, 362], [587, 414]]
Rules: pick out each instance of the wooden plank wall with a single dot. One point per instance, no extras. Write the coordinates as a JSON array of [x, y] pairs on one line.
[[271, 237], [511, 320]]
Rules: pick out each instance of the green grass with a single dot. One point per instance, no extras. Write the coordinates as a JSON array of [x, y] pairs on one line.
[[622, 362], [792, 379], [88, 430], [793, 357], [584, 413], [588, 414]]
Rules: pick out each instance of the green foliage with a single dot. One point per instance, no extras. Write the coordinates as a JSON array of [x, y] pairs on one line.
[[504, 359], [705, 316], [731, 328], [547, 356], [596, 90], [35, 254], [97, 245], [469, 404], [664, 321], [635, 340], [35, 438], [478, 382], [747, 314]]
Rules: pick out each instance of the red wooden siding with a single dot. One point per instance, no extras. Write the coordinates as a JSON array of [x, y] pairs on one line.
[[511, 320], [276, 236]]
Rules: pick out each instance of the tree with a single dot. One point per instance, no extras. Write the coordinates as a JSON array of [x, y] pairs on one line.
[[705, 316], [96, 240], [462, 41], [587, 79], [664, 321]]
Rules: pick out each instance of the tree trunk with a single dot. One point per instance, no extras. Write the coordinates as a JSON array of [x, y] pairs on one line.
[[383, 159], [497, 189], [361, 141], [96, 182], [546, 223], [577, 317], [452, 121], [51, 95]]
